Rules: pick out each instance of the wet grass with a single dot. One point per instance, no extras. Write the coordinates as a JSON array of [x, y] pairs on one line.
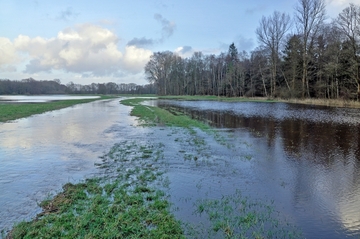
[[124, 202], [233, 216], [236, 216], [151, 116], [138, 95], [20, 110], [217, 98]]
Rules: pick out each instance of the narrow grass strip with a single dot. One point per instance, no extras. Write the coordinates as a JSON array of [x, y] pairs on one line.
[[20, 110], [149, 115]]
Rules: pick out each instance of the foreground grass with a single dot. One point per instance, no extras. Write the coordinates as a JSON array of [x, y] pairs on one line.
[[123, 203], [21, 110]]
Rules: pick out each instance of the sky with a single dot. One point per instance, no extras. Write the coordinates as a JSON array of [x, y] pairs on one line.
[[112, 40]]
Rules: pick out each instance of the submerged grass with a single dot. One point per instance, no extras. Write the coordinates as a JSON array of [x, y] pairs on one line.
[[233, 216], [236, 216], [123, 203], [20, 110]]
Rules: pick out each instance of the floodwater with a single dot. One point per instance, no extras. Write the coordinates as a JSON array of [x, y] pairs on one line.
[[41, 153], [304, 159], [40, 98]]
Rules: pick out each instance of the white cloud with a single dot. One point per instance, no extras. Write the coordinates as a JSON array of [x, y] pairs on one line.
[[334, 7], [85, 49], [8, 54], [136, 58], [185, 51]]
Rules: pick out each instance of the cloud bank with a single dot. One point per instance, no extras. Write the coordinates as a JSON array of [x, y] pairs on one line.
[[85, 49], [8, 54]]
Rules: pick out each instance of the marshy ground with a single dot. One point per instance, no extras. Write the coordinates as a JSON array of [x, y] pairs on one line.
[[176, 183]]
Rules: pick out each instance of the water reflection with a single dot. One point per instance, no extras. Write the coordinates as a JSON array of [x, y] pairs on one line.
[[41, 153], [312, 152]]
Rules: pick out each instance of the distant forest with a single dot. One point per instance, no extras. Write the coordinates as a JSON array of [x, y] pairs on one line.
[[316, 60], [33, 87]]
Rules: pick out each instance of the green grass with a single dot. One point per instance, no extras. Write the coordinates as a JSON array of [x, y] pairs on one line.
[[20, 110], [216, 98], [123, 203], [137, 95], [149, 115], [236, 216]]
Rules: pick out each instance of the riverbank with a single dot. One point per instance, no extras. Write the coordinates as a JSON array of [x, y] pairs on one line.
[[21, 110]]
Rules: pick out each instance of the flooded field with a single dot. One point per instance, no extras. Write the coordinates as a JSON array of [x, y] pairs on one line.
[[303, 161], [41, 153]]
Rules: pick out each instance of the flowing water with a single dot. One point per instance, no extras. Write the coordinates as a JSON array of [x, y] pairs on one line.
[[302, 159]]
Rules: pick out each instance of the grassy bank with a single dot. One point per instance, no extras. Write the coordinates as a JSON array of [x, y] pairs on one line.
[[20, 110], [124, 202], [217, 98], [149, 115]]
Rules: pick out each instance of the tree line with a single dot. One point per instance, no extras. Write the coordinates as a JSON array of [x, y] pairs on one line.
[[31, 86], [297, 58]]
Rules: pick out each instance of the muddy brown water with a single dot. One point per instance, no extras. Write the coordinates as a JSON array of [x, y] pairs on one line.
[[304, 160]]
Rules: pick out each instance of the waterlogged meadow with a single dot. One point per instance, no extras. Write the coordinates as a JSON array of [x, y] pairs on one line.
[[174, 181], [125, 202], [195, 159]]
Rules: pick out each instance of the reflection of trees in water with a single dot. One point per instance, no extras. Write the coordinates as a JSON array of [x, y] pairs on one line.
[[321, 142], [324, 171]]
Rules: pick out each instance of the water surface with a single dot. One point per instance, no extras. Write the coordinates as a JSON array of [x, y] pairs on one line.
[[41, 153], [304, 158]]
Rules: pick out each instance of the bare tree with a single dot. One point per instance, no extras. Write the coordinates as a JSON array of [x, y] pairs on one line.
[[348, 23], [271, 31], [310, 15], [158, 70]]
